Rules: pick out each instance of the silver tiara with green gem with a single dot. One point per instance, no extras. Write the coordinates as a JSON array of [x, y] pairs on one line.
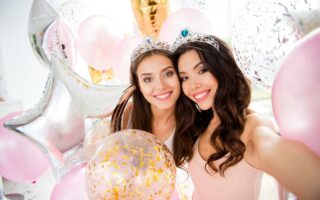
[[149, 44], [187, 36]]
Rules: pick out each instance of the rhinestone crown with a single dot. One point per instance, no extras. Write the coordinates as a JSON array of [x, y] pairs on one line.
[[187, 35], [149, 44]]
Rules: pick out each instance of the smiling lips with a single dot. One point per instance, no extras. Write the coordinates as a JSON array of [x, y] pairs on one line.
[[163, 96], [201, 96]]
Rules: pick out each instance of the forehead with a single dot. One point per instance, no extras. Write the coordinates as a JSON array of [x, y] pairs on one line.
[[153, 64], [188, 59]]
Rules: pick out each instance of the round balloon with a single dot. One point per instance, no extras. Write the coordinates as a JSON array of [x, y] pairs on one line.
[[121, 57], [265, 31], [97, 38], [20, 159], [190, 18], [96, 136], [132, 164], [72, 186], [216, 11], [296, 93], [58, 35]]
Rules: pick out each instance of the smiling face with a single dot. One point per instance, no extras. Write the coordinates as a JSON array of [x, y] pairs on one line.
[[197, 82], [158, 81]]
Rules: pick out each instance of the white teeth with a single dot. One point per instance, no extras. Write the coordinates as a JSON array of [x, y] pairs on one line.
[[163, 96], [198, 96]]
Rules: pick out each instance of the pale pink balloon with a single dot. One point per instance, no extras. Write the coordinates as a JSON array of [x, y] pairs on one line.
[[121, 57], [58, 33], [20, 159], [296, 93], [190, 18], [72, 186], [97, 38]]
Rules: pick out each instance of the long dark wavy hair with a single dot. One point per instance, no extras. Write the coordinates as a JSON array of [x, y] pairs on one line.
[[230, 104], [141, 115]]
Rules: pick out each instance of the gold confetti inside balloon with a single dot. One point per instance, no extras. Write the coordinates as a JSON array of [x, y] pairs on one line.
[[150, 15], [132, 164], [96, 136]]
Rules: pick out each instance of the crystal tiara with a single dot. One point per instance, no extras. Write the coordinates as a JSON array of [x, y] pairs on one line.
[[187, 35], [149, 44]]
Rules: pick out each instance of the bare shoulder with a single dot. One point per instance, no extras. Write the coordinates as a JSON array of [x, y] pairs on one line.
[[259, 125], [261, 131], [255, 120], [253, 123]]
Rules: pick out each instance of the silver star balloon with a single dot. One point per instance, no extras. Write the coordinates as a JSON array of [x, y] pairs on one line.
[[92, 100], [57, 123], [14, 196], [40, 17], [54, 124]]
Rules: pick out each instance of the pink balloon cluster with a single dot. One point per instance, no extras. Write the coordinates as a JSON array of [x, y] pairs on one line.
[[296, 93], [20, 160]]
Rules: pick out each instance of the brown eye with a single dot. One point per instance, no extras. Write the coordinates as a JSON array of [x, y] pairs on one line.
[[146, 79], [203, 70], [169, 73], [183, 78]]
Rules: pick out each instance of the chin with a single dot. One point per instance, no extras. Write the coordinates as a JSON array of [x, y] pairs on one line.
[[205, 107], [165, 107]]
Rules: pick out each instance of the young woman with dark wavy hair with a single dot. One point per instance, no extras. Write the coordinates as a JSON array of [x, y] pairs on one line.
[[232, 146]]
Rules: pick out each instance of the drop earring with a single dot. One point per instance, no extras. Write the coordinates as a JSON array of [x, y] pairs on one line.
[[198, 108]]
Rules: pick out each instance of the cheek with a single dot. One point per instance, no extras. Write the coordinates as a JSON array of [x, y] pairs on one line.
[[174, 82], [185, 88], [144, 89]]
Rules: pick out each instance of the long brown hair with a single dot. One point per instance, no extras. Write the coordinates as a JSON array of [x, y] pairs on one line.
[[141, 115], [230, 104]]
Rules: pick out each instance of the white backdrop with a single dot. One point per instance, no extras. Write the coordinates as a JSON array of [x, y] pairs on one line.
[[24, 76]]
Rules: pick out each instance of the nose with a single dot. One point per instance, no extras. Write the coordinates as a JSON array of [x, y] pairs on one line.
[[160, 83], [195, 83]]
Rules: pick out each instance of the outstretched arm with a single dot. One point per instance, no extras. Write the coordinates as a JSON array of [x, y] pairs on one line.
[[292, 163]]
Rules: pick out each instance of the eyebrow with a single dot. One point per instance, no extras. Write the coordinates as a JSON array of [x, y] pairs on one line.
[[194, 67], [146, 74]]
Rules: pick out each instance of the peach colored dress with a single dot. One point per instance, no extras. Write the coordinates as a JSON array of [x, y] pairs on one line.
[[241, 182]]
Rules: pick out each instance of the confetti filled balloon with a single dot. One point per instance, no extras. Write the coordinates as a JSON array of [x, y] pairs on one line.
[[96, 136], [132, 164], [265, 31]]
